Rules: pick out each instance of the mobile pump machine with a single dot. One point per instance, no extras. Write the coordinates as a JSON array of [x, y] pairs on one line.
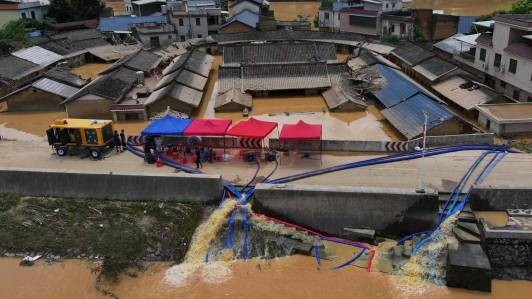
[[93, 136]]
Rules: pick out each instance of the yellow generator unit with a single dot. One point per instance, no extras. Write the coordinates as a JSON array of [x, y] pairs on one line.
[[72, 134]]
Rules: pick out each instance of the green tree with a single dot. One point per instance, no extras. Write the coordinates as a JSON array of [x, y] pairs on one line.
[[13, 35], [87, 9], [60, 11], [522, 7], [75, 10]]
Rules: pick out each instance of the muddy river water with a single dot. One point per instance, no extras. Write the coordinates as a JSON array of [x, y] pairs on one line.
[[294, 277]]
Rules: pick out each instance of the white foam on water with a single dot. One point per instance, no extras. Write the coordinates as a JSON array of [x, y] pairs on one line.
[[217, 272]]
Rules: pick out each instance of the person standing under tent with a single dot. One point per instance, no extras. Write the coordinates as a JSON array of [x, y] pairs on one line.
[[199, 164]]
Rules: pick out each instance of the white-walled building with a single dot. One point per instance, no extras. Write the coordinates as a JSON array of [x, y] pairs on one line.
[[505, 56], [194, 19]]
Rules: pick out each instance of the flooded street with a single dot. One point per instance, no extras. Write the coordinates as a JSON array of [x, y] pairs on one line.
[[293, 277], [463, 7]]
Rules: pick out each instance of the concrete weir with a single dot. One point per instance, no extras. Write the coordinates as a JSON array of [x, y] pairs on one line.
[[332, 209], [501, 198], [111, 185]]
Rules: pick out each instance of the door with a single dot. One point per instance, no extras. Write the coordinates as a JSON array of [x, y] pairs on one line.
[[402, 28]]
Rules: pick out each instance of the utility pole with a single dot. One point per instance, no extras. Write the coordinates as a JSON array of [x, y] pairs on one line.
[[421, 186]]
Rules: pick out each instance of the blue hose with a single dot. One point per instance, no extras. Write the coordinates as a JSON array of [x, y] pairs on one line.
[[229, 238], [254, 176], [317, 250], [382, 160], [350, 260]]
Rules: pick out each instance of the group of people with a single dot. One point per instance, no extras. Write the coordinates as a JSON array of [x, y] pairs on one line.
[[119, 141]]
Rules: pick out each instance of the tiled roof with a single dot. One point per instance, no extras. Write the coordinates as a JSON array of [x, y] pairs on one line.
[[14, 68], [412, 54], [279, 53]]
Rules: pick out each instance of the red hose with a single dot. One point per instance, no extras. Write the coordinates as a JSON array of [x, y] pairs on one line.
[[371, 259]]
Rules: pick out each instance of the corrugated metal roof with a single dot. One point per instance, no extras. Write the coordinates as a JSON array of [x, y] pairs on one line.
[[38, 55], [408, 118], [122, 23], [395, 88], [467, 98], [412, 54], [55, 87]]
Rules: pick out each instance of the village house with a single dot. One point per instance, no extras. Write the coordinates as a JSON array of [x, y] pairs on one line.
[[194, 19], [501, 55], [182, 85], [329, 15], [120, 90], [45, 93], [15, 10], [507, 119], [413, 24]]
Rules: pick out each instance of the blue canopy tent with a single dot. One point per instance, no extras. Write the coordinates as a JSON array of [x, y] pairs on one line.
[[167, 126]]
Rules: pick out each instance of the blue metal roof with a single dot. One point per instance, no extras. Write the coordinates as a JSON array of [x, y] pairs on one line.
[[408, 118], [395, 88], [465, 23], [245, 17], [122, 23]]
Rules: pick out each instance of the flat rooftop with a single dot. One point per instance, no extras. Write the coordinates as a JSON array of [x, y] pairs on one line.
[[510, 112]]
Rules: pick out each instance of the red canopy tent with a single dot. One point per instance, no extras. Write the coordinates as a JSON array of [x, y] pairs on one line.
[[207, 127], [252, 128], [300, 131]]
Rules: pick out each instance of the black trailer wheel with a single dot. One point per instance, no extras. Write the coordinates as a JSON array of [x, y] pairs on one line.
[[95, 154], [61, 151]]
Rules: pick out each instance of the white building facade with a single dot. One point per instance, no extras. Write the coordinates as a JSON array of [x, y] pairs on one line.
[[194, 21], [505, 56]]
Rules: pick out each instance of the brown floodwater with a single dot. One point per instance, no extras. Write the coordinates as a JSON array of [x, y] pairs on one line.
[[463, 7], [293, 277]]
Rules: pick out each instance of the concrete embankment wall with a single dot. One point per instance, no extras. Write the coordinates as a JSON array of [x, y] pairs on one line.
[[105, 185], [501, 198], [330, 209]]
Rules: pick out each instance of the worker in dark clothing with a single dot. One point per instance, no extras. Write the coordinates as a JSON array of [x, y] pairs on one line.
[[210, 155], [116, 141], [122, 140], [199, 164]]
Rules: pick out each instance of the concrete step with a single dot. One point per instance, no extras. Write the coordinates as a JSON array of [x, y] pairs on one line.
[[465, 237], [468, 267], [467, 216], [469, 227]]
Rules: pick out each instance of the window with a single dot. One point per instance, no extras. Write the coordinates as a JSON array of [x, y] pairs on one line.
[[154, 42], [200, 36], [212, 20], [326, 16], [502, 84], [180, 22], [497, 61], [512, 68], [32, 14], [23, 15], [387, 5], [392, 29], [482, 54], [183, 38], [516, 94], [530, 98], [198, 21], [393, 5], [169, 37]]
